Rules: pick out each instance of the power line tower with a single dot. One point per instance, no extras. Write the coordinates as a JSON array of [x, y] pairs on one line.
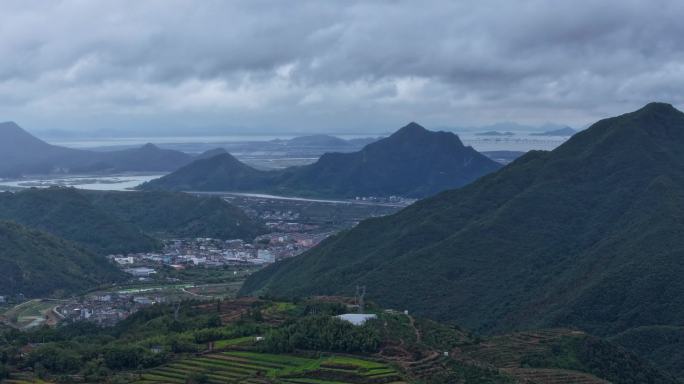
[[360, 298]]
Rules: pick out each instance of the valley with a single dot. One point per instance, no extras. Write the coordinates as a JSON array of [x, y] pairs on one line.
[[199, 268], [224, 286], [211, 268], [341, 192]]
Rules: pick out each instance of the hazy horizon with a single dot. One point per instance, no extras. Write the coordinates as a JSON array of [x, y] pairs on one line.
[[218, 132]]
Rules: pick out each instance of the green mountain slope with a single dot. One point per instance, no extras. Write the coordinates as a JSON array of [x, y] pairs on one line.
[[219, 173], [35, 263], [588, 235], [413, 162], [67, 213], [662, 344], [122, 222], [171, 214]]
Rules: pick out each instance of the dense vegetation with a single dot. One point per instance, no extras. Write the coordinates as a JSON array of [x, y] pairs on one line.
[[67, 213], [170, 214], [306, 338], [35, 263], [413, 162], [147, 339], [22, 154], [663, 345], [587, 235], [121, 222], [589, 354], [323, 333]]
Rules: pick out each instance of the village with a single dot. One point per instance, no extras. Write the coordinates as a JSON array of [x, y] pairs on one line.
[[201, 268], [152, 279], [206, 252]]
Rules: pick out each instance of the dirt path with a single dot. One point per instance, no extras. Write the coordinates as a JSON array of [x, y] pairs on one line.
[[419, 336]]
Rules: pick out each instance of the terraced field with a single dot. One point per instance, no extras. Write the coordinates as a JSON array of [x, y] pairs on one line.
[[261, 368], [23, 379], [553, 376], [508, 352]]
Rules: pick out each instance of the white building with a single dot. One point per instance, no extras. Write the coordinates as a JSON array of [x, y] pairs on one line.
[[357, 318], [266, 256], [124, 260], [141, 271], [143, 300]]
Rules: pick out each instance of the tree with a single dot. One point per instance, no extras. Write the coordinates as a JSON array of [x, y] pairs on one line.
[[4, 372]]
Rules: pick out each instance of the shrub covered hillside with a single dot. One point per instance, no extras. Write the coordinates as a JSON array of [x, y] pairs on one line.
[[67, 213], [171, 214], [35, 263], [121, 222], [587, 235], [263, 341]]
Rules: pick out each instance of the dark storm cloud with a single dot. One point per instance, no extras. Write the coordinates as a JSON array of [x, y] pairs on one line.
[[335, 65]]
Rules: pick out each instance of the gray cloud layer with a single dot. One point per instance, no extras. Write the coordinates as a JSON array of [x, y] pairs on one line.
[[339, 66]]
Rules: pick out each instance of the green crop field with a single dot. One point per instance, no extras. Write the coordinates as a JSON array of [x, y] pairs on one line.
[[253, 367], [23, 378]]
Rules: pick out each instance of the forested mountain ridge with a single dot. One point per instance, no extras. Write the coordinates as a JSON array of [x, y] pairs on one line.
[[587, 235], [35, 263], [173, 214], [122, 222], [67, 213], [413, 162]]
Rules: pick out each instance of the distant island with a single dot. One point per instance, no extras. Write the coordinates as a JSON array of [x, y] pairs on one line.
[[565, 131], [324, 141], [495, 133]]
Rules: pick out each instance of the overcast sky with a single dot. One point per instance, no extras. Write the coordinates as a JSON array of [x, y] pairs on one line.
[[333, 66]]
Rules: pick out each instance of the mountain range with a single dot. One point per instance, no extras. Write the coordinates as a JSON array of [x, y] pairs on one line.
[[23, 154], [413, 162], [588, 235]]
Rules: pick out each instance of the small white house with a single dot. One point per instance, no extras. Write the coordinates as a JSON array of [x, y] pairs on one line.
[[357, 318], [124, 260], [140, 271], [266, 256]]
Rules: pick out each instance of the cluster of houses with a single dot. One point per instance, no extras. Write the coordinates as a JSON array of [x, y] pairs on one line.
[[105, 309], [386, 200], [207, 252]]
